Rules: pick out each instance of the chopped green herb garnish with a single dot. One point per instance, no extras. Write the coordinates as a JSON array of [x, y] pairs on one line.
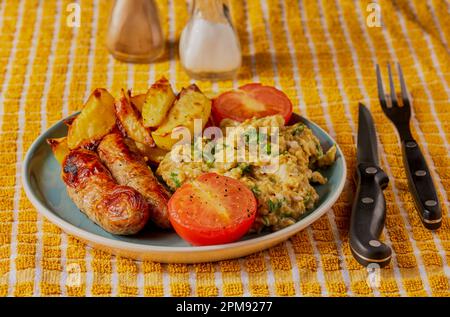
[[274, 205], [266, 221], [174, 178], [256, 190], [245, 168], [269, 148], [307, 199], [319, 150], [298, 129]]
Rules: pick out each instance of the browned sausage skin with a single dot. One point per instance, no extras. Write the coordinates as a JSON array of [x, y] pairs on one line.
[[129, 168], [117, 209]]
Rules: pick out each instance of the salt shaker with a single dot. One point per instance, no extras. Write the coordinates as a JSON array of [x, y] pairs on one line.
[[134, 32], [209, 46]]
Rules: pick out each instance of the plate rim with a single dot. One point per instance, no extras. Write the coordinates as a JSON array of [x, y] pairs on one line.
[[87, 236]]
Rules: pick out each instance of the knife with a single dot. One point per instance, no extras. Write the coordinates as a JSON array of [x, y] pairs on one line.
[[369, 207]]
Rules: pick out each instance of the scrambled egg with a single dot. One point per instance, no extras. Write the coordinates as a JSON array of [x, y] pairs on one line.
[[284, 193]]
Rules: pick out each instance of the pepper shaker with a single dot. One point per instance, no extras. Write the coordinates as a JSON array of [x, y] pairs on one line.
[[134, 32]]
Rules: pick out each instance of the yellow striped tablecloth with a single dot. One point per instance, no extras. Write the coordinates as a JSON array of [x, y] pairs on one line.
[[322, 54]]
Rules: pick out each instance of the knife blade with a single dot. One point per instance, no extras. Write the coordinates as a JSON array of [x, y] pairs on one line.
[[369, 206], [367, 147]]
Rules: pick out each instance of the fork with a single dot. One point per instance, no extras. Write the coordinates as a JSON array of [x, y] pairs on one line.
[[420, 182]]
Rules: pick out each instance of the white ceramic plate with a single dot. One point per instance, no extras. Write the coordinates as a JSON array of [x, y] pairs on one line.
[[47, 192]]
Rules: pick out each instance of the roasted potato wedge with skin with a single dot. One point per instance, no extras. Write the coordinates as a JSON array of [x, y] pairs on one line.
[[138, 101], [96, 119], [158, 100], [191, 104], [153, 155], [59, 148], [130, 123]]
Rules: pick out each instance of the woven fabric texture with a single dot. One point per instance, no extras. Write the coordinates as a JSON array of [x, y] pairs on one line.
[[321, 53]]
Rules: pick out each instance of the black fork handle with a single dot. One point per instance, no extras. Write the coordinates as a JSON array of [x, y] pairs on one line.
[[421, 185]]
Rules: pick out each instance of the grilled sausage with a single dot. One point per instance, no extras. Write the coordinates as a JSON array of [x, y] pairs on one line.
[[117, 209], [129, 168]]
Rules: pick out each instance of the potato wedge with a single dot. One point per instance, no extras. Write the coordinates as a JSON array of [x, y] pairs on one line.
[[138, 101], [59, 148], [96, 119], [130, 123], [151, 154], [191, 104], [158, 100]]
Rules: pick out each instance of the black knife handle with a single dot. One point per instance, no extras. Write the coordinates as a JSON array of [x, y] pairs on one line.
[[421, 185], [368, 216]]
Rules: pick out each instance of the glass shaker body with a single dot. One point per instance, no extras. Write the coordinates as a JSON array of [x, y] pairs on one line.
[[209, 46], [134, 32]]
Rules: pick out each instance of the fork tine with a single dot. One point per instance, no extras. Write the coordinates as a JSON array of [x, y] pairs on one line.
[[404, 91], [381, 95], [391, 84]]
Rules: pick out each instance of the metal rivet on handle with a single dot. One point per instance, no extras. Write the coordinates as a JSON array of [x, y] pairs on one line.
[[367, 200], [420, 173], [375, 243], [371, 170], [411, 144], [431, 203]]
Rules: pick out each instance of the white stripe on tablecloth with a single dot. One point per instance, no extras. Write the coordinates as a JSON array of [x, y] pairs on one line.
[[165, 280], [403, 213], [436, 22], [273, 58], [19, 150], [292, 53], [131, 70], [359, 76], [330, 127], [44, 100], [114, 276], [217, 279], [140, 278], [251, 47], [320, 270], [423, 143], [65, 98], [10, 64], [92, 48]]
